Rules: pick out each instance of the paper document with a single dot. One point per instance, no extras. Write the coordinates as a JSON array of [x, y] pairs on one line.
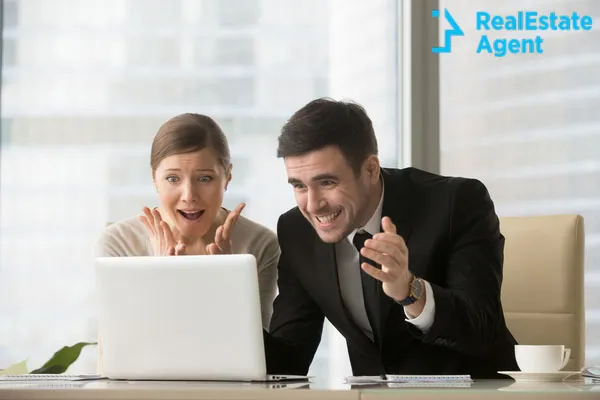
[[48, 377], [591, 372], [407, 378], [430, 384], [366, 379]]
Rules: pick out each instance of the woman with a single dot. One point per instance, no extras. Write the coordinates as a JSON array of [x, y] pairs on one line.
[[191, 170]]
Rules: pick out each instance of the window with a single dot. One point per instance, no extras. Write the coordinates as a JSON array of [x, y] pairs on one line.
[[527, 126], [85, 86]]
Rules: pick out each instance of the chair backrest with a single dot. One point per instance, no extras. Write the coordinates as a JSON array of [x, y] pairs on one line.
[[542, 291]]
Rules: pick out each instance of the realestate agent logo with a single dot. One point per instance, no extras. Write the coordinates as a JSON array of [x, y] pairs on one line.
[[454, 30], [522, 32]]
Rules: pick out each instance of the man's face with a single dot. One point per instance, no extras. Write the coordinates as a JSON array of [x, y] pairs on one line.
[[329, 194]]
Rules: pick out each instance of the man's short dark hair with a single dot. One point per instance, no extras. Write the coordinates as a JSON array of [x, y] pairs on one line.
[[325, 122]]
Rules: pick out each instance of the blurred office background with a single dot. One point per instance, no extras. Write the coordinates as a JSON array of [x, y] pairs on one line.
[[528, 126], [86, 83], [85, 86]]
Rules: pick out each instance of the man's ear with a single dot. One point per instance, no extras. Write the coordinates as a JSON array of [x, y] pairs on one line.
[[373, 168]]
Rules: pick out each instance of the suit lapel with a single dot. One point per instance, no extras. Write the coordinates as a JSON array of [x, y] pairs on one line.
[[396, 204], [326, 268], [397, 207]]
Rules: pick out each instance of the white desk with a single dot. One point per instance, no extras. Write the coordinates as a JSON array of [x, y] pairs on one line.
[[315, 390]]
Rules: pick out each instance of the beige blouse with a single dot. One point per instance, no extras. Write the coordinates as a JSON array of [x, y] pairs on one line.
[[130, 238]]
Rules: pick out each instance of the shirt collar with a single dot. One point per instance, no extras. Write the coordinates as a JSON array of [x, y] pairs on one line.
[[373, 225]]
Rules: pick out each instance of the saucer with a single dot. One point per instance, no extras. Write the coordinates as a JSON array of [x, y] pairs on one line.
[[557, 376], [541, 387]]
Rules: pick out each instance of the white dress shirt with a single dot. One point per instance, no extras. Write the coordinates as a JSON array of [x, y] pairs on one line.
[[349, 271]]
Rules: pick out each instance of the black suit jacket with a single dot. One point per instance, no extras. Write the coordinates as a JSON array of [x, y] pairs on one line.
[[452, 233]]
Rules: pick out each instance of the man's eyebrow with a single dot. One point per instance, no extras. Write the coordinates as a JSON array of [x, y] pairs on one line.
[[197, 169], [322, 177]]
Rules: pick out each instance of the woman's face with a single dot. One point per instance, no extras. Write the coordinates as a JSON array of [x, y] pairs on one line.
[[190, 188]]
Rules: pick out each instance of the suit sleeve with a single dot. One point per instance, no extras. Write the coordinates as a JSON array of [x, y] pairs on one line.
[[468, 311], [297, 322]]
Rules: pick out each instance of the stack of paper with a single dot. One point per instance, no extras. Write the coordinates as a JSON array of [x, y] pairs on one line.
[[365, 379], [432, 384], [47, 377], [411, 380], [591, 372]]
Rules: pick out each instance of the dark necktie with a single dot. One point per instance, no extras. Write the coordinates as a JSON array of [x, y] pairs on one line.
[[369, 284]]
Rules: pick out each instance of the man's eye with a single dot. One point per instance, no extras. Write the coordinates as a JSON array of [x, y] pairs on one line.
[[298, 186], [327, 183]]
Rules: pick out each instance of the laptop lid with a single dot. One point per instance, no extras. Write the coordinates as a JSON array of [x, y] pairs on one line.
[[180, 318]]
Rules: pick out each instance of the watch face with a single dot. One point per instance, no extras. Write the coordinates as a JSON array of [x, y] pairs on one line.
[[417, 288]]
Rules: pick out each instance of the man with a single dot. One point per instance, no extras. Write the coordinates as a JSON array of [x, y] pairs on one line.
[[406, 264]]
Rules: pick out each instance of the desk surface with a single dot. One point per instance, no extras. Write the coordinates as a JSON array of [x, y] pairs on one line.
[[51, 390]]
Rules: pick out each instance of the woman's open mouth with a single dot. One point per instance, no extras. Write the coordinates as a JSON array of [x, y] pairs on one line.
[[191, 215]]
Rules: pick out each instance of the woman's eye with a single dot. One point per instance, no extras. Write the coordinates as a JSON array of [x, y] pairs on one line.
[[172, 179], [205, 179]]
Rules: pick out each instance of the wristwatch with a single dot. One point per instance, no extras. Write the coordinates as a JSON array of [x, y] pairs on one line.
[[415, 293]]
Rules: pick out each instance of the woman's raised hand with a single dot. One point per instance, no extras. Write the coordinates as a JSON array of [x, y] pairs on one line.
[[161, 236], [222, 243]]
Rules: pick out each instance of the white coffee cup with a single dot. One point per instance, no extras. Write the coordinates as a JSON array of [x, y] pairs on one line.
[[542, 358]]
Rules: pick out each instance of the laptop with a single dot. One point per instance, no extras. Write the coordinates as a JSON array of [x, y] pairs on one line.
[[181, 318]]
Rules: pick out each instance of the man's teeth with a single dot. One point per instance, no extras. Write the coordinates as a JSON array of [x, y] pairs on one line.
[[325, 219]]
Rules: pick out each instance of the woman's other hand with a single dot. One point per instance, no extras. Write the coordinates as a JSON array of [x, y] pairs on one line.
[[222, 243]]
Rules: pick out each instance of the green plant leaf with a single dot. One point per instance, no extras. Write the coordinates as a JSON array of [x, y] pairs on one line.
[[15, 369], [62, 359]]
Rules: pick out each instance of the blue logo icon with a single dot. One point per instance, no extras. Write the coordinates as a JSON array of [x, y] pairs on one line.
[[454, 30]]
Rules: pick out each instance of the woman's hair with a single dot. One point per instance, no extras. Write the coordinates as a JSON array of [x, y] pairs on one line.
[[188, 133]]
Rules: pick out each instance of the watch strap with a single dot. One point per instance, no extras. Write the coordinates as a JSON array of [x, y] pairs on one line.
[[412, 296]]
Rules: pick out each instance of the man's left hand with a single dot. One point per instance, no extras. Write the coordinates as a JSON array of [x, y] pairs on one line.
[[389, 250]]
